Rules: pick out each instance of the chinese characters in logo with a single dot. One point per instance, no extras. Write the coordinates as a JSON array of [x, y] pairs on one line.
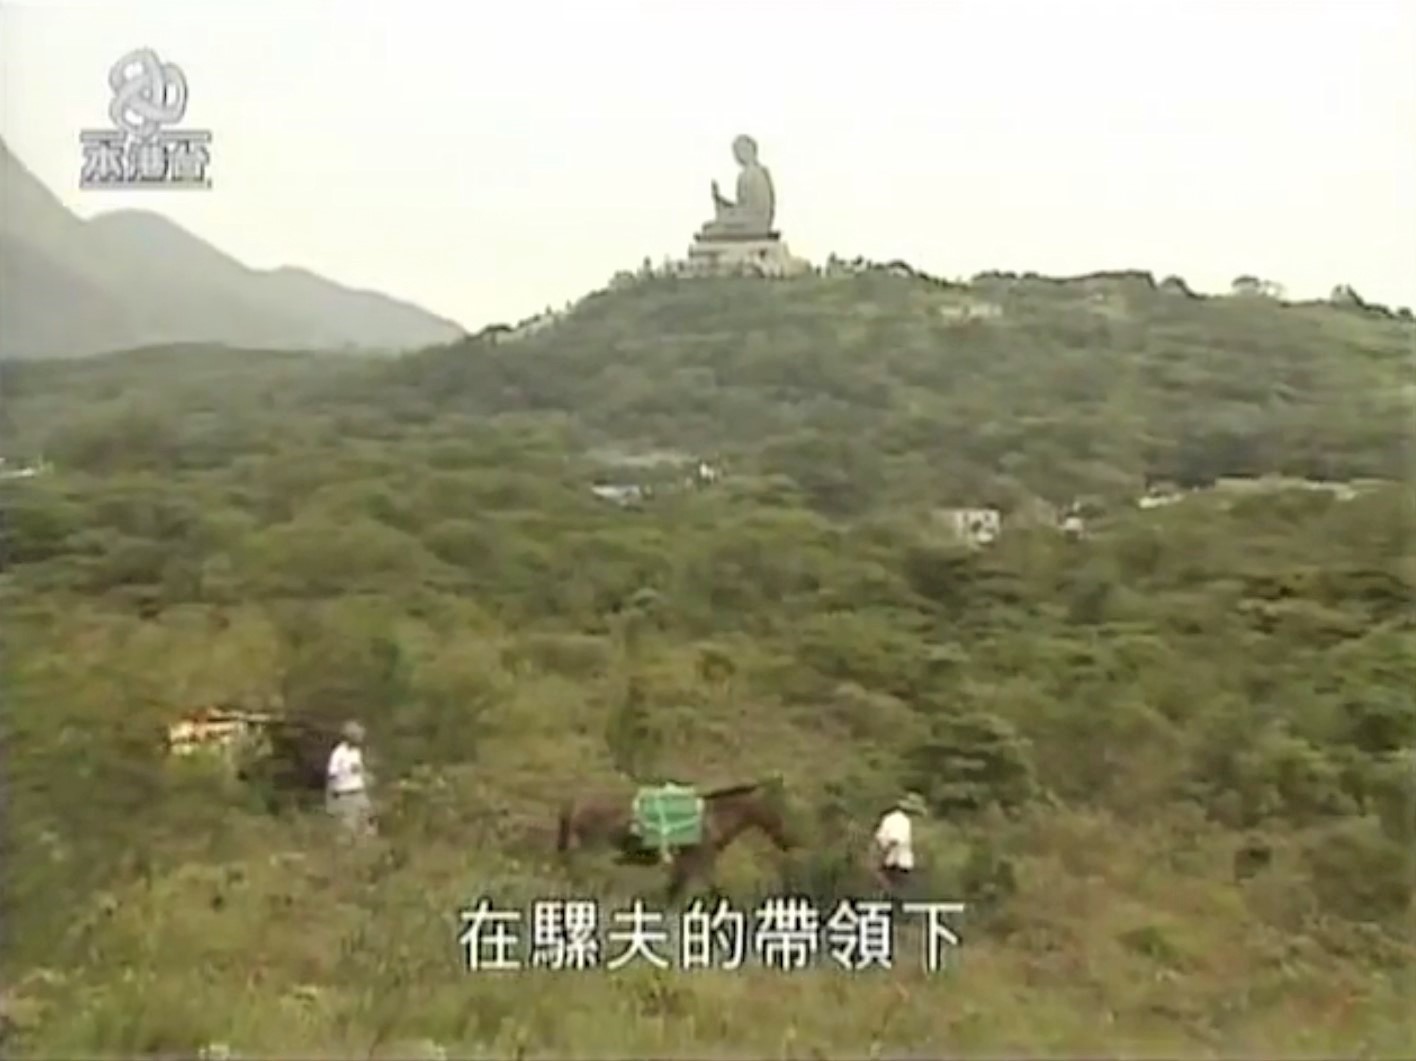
[[138, 152]]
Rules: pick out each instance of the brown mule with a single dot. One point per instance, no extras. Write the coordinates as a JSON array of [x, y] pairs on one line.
[[605, 822]]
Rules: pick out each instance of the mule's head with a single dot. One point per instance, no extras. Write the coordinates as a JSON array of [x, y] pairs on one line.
[[774, 823], [777, 813]]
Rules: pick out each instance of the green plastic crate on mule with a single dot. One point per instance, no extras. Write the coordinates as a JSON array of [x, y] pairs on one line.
[[668, 816]]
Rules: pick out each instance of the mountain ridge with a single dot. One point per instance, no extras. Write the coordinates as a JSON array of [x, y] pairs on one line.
[[62, 296]]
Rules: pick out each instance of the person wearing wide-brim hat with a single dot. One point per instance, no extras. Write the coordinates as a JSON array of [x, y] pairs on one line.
[[347, 782], [912, 803], [894, 843]]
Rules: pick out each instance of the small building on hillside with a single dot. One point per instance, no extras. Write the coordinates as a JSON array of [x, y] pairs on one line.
[[1159, 493], [1158, 500], [837, 266], [973, 526], [1263, 484], [1344, 295], [1073, 526], [622, 494], [22, 471], [970, 310], [1253, 287]]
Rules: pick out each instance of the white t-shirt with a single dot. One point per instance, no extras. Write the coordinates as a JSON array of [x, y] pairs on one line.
[[895, 838], [346, 769]]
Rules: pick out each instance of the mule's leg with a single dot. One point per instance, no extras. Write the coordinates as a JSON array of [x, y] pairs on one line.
[[568, 844], [571, 864], [681, 871], [689, 864]]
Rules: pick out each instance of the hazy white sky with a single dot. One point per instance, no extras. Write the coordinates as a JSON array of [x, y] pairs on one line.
[[488, 160]]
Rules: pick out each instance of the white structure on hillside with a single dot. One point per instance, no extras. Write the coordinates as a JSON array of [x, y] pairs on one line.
[[975, 526], [1243, 484], [620, 493], [28, 471], [1161, 494], [1158, 495], [1254, 287]]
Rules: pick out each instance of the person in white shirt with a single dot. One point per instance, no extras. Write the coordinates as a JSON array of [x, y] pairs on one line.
[[894, 843], [347, 783]]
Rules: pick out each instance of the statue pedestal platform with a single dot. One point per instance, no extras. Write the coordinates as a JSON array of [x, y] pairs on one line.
[[750, 257]]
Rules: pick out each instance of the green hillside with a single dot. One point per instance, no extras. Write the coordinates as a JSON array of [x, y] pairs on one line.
[[1169, 763]]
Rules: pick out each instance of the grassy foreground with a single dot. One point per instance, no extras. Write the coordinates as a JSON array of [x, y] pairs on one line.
[[1130, 949], [1169, 765]]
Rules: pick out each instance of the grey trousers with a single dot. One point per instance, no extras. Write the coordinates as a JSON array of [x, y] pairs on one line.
[[353, 811]]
